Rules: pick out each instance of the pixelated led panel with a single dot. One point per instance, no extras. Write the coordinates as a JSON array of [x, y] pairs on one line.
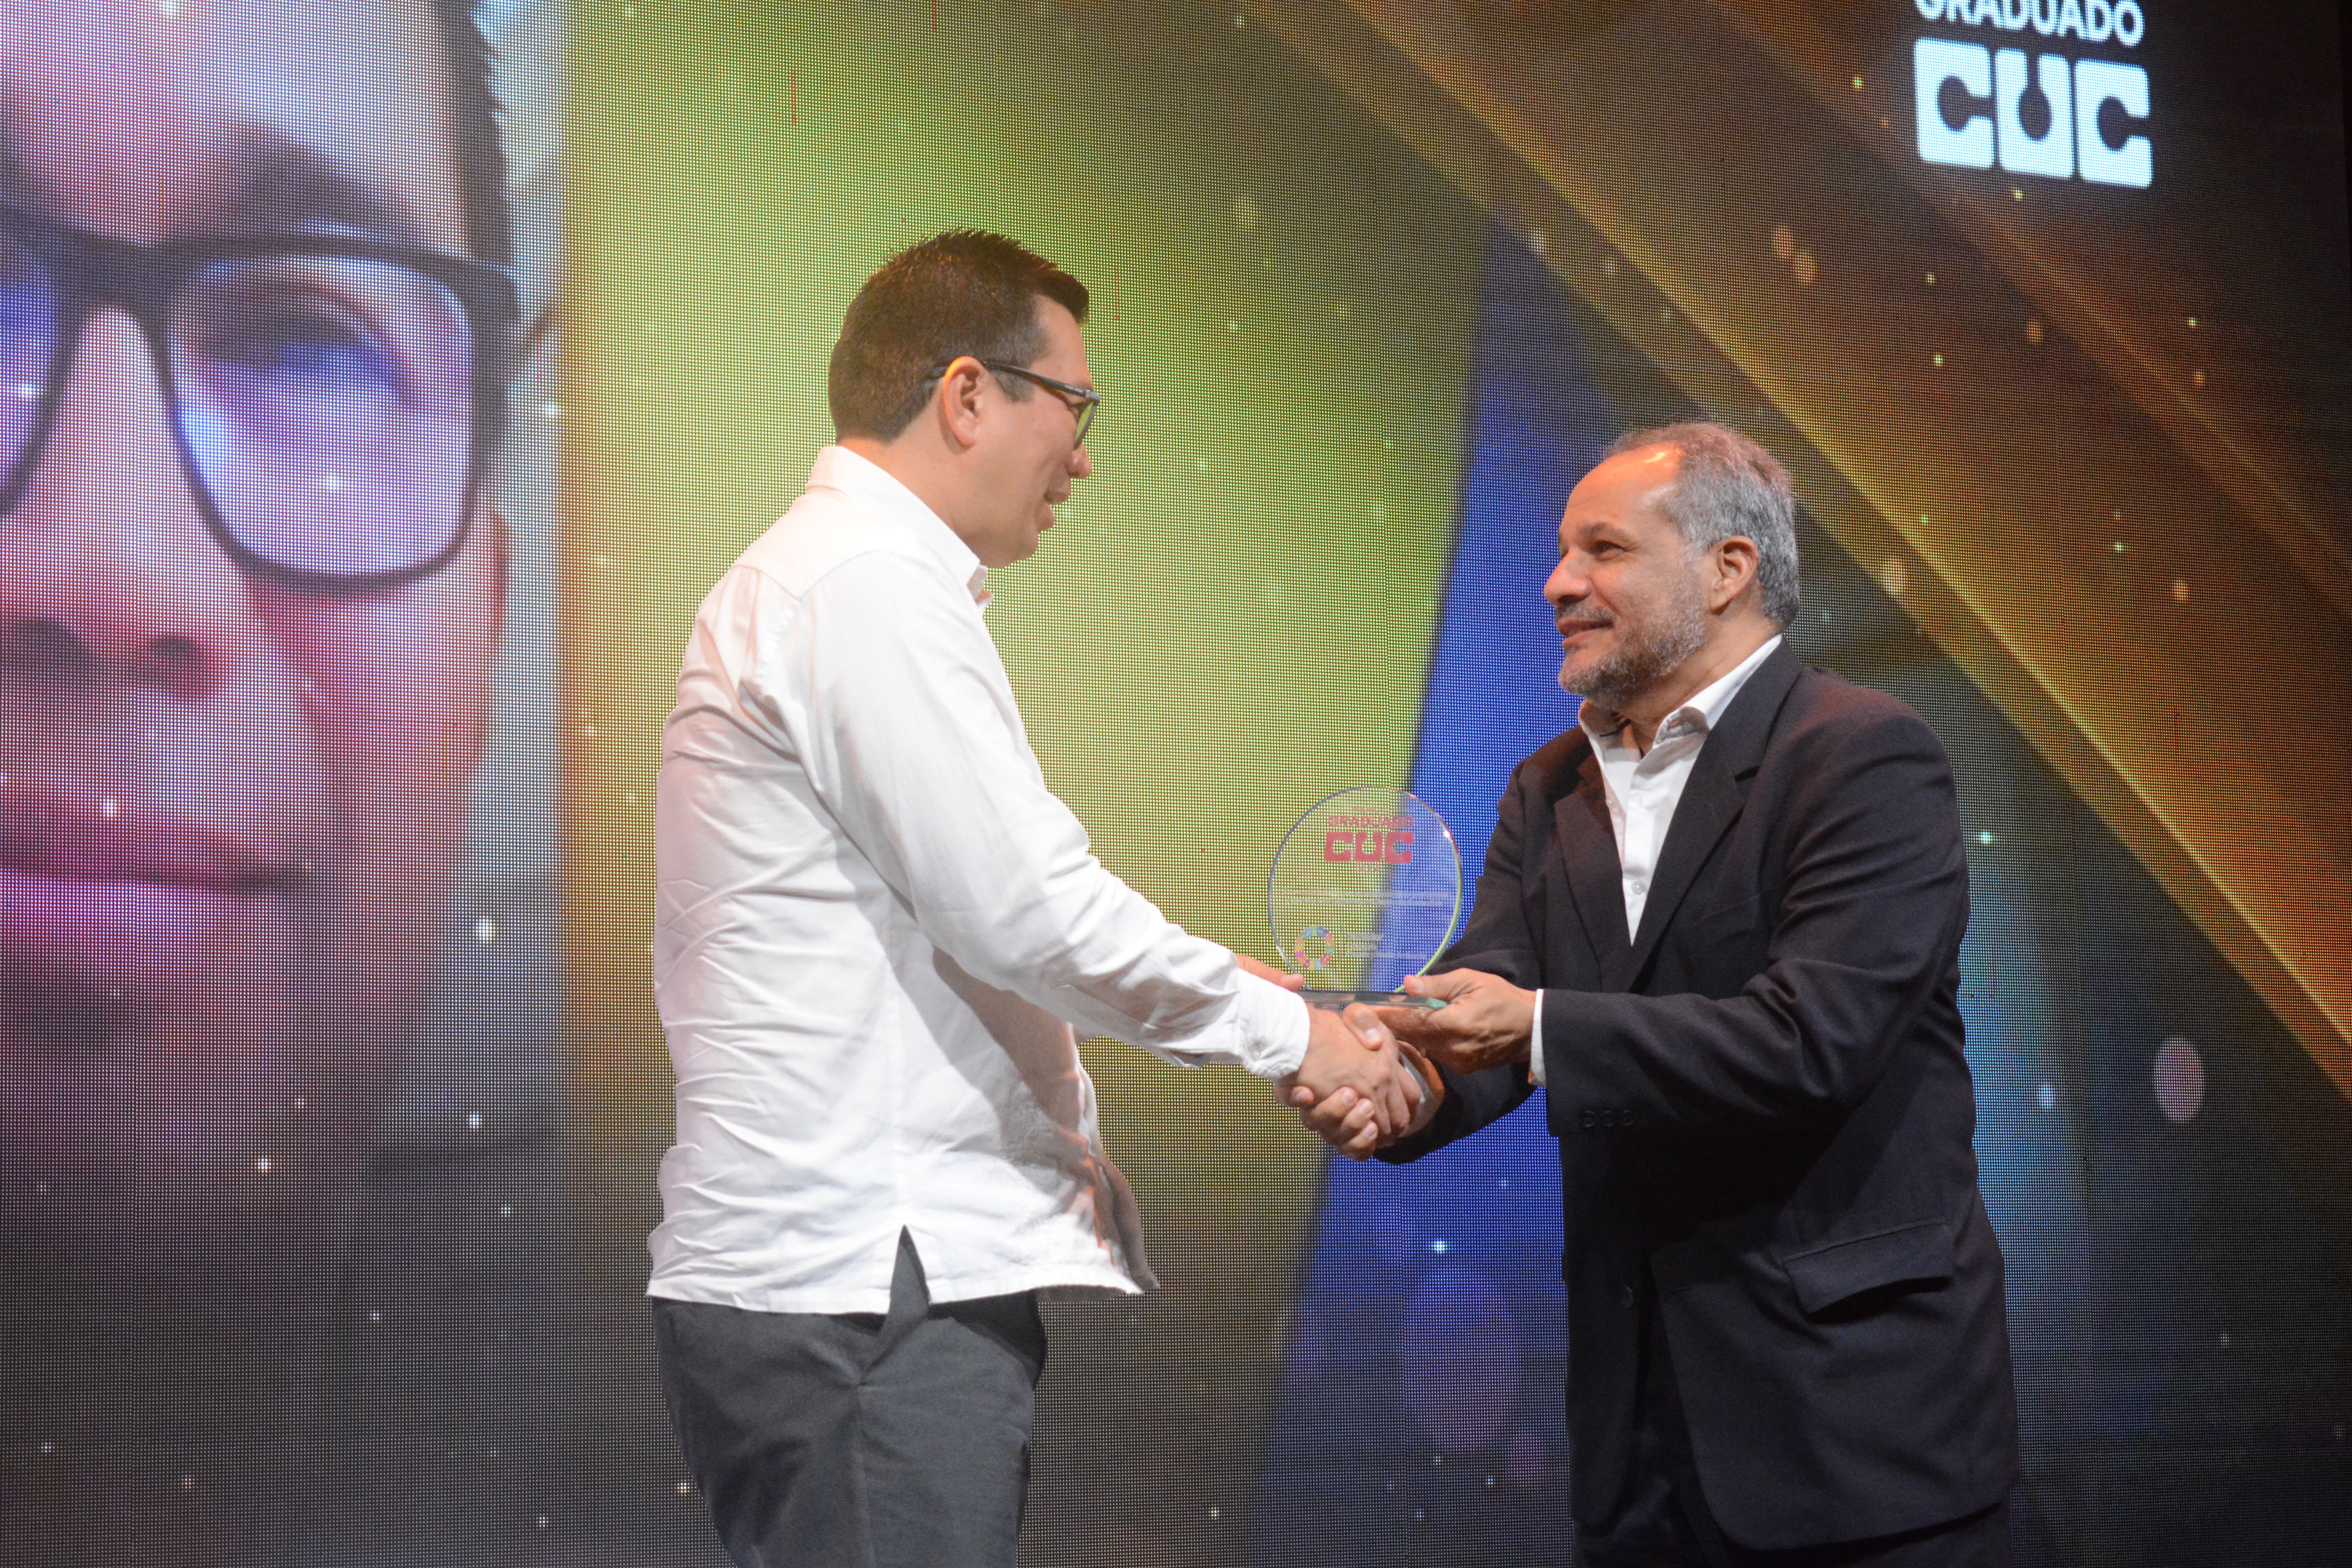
[[2117, 545]]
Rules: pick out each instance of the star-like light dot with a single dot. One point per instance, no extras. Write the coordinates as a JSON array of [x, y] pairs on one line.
[[2178, 1075]]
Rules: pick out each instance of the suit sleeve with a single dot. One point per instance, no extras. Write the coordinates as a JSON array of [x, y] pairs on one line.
[[1873, 905], [1497, 940]]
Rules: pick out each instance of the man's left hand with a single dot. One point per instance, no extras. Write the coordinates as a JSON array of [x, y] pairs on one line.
[[1486, 1021]]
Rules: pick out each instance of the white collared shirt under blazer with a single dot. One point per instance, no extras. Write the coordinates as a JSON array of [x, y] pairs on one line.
[[875, 927], [1644, 787]]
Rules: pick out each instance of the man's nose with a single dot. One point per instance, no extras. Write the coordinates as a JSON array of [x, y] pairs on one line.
[[1082, 462], [107, 571], [1566, 585]]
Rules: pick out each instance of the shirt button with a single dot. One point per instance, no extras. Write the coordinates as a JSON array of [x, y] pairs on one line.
[[1639, 887]]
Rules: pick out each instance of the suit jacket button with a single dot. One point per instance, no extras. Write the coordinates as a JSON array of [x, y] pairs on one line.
[[1629, 1296], [1591, 1120]]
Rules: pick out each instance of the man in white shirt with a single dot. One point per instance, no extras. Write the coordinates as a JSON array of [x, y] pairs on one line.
[[1719, 925], [876, 929]]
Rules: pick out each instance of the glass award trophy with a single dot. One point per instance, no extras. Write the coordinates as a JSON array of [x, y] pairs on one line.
[[1365, 890]]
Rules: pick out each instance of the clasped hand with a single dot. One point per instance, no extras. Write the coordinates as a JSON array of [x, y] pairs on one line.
[[1370, 1089], [1359, 1087], [1486, 1022]]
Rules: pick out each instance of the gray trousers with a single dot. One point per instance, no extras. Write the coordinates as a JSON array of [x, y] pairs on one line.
[[857, 1441]]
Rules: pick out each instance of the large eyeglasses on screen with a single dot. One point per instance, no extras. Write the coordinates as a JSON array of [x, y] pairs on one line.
[[333, 400]]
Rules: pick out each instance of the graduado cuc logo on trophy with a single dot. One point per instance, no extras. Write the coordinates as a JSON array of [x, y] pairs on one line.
[[2055, 116], [1365, 890]]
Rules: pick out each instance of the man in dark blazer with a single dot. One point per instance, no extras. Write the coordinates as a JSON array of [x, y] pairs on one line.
[[1720, 924]]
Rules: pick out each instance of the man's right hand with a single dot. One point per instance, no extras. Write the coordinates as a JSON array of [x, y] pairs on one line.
[[1355, 1074], [1355, 1051]]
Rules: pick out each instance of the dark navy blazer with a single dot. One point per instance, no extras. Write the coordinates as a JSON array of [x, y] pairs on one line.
[[1764, 1114]]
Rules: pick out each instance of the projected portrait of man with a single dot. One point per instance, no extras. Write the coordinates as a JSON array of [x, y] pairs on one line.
[[252, 329]]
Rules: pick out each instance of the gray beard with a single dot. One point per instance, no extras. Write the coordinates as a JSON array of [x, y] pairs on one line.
[[1642, 658]]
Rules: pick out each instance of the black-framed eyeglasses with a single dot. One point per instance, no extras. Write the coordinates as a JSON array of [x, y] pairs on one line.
[[1084, 401], [334, 400]]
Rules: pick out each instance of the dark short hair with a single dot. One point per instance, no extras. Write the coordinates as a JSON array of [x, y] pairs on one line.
[[966, 292], [480, 154], [1725, 485]]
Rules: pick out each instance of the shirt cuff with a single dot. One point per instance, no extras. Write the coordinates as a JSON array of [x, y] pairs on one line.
[[1535, 1044], [1270, 1023]]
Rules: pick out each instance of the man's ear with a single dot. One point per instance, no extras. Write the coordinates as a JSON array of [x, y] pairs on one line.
[[957, 404], [1732, 564]]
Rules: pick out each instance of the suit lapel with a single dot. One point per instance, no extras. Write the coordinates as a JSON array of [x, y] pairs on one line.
[[1588, 843], [1711, 799]]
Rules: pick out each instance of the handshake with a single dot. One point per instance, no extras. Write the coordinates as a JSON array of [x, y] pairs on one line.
[[1369, 1077]]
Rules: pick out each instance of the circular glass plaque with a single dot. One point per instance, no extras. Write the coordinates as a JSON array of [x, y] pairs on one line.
[[1365, 890]]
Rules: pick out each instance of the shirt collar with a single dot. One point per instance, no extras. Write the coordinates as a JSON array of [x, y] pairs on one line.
[[1699, 714], [839, 468]]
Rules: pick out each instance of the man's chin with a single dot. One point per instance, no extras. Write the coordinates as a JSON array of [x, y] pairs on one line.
[[175, 1127]]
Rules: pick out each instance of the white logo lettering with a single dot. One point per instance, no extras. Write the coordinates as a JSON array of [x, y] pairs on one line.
[[2098, 83], [2092, 21], [1974, 104], [1934, 62], [2052, 153]]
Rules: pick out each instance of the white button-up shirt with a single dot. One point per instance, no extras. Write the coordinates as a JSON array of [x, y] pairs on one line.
[[1644, 787], [873, 921]]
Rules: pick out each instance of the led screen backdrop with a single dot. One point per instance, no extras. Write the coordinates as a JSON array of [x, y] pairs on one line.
[[281, 1145], [330, 1091]]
